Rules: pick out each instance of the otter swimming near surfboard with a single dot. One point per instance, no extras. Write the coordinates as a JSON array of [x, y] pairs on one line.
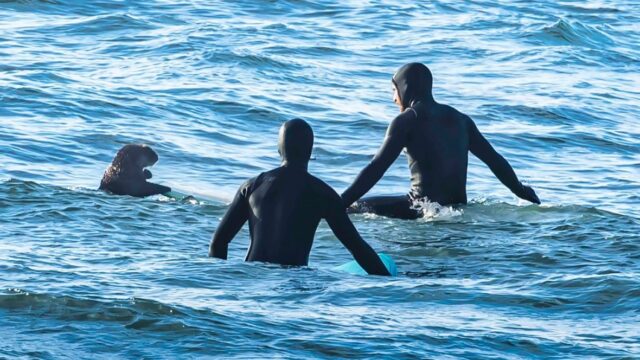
[[127, 174]]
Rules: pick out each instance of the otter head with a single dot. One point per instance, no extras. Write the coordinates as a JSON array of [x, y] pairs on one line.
[[146, 156], [134, 158]]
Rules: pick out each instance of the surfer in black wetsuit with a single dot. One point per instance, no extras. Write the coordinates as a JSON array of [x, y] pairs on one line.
[[284, 207], [437, 139]]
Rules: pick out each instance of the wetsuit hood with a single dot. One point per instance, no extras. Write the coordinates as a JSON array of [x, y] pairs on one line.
[[413, 82], [295, 142]]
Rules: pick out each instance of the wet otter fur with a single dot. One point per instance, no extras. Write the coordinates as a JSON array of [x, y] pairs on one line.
[[127, 174]]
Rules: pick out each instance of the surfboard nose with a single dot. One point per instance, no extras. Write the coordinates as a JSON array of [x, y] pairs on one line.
[[352, 267]]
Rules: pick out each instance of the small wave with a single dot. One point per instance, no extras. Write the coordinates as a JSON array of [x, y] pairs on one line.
[[596, 292], [72, 308], [481, 210], [221, 137], [93, 25], [564, 32], [537, 114], [16, 186], [319, 51], [254, 60], [30, 3], [596, 9]]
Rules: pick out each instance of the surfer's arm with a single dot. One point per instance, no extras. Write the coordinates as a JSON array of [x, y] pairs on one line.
[[393, 144], [230, 224], [344, 230], [481, 148]]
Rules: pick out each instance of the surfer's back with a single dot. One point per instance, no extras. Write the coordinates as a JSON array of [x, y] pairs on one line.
[[437, 150], [286, 206]]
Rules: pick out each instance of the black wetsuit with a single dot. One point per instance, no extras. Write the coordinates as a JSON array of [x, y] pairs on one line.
[[437, 139], [284, 207]]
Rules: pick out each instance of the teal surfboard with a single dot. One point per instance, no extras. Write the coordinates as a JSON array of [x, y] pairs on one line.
[[352, 266]]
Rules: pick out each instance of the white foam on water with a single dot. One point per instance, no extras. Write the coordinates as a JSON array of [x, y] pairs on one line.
[[432, 211]]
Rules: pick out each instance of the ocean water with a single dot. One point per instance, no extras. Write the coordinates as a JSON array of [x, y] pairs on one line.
[[554, 85]]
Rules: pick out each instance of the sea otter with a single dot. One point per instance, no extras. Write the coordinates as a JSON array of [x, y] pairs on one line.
[[127, 174]]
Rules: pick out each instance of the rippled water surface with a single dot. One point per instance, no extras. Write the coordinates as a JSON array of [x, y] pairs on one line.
[[553, 85]]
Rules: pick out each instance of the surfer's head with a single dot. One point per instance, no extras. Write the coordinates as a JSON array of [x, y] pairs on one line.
[[295, 142], [412, 83]]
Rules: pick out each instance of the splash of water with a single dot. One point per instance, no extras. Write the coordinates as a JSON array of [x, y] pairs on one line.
[[432, 211]]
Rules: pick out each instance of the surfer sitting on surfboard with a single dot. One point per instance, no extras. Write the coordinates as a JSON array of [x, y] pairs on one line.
[[437, 139], [284, 207]]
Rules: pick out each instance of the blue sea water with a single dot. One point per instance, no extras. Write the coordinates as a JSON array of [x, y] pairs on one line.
[[554, 85]]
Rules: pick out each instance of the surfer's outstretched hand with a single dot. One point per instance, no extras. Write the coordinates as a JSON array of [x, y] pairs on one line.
[[529, 194], [147, 174]]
